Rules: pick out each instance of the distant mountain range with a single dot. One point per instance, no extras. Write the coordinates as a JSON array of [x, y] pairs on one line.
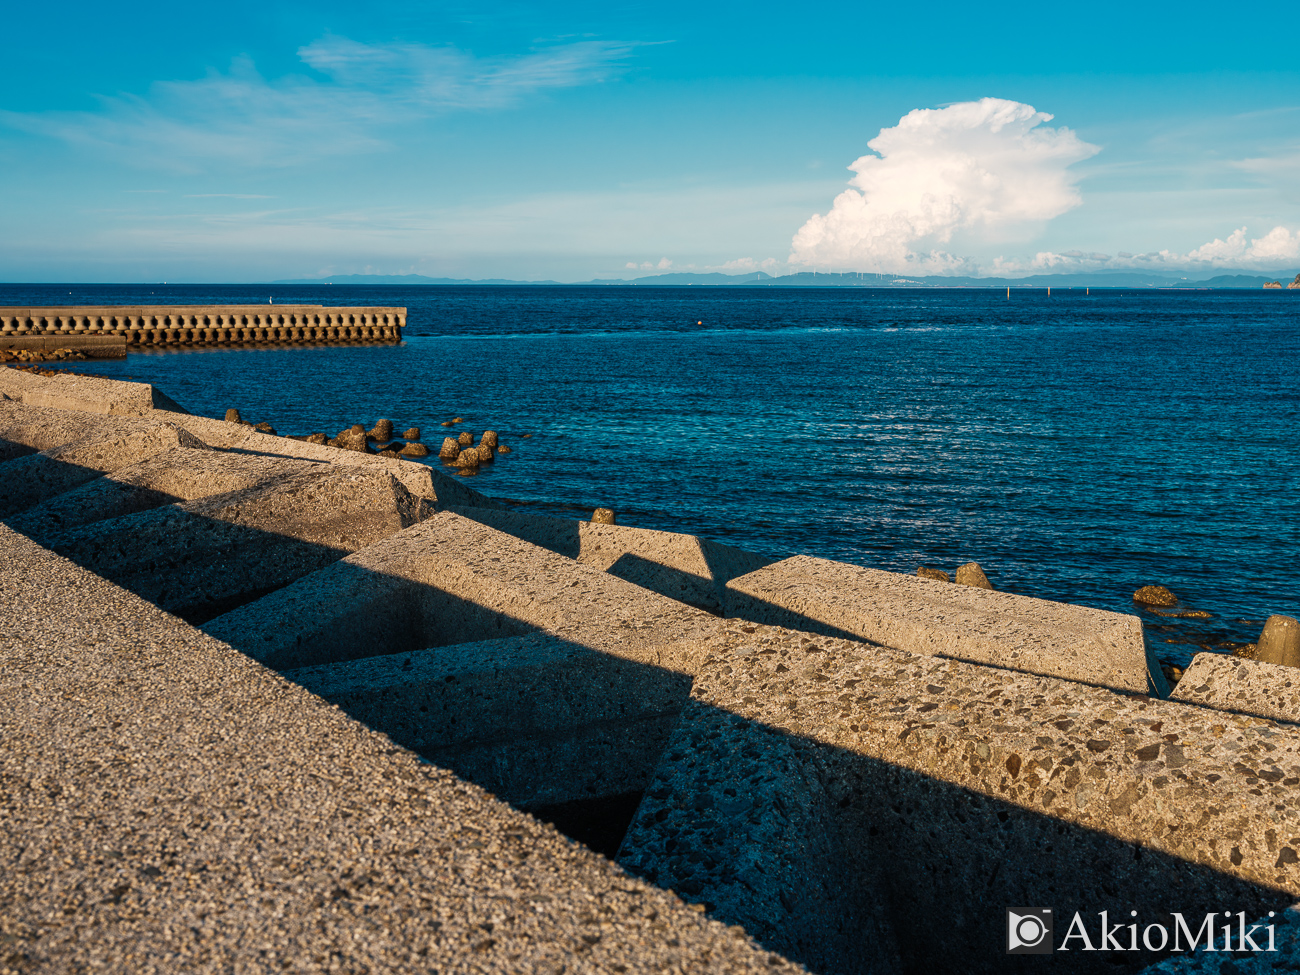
[[1093, 279]]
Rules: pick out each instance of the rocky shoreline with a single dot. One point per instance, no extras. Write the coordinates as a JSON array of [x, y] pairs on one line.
[[460, 453]]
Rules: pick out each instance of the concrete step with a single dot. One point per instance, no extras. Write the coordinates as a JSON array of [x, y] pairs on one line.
[[90, 394], [419, 479], [924, 616], [31, 429]]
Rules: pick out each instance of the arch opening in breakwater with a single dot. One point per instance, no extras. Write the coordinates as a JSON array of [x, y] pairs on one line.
[[178, 326]]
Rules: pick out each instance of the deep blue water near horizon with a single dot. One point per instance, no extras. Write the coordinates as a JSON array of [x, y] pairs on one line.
[[1077, 446]]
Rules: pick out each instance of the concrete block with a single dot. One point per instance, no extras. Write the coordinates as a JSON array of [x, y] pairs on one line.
[[535, 720], [91, 394], [962, 622], [451, 580], [738, 818], [419, 479], [179, 474], [31, 428], [169, 805], [15, 382], [687, 568], [199, 559], [32, 479], [941, 778], [214, 433], [1216, 680], [1279, 641]]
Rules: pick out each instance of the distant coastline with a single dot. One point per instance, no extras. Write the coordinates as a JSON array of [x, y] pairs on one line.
[[847, 279]]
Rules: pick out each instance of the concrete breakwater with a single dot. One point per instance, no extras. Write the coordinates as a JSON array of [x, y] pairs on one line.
[[275, 705], [172, 326]]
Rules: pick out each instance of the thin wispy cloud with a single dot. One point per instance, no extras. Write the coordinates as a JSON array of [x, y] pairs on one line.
[[359, 94], [987, 168]]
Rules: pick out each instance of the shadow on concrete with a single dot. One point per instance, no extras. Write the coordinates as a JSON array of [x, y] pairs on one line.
[[773, 614], [12, 450], [883, 868], [873, 854], [685, 587]]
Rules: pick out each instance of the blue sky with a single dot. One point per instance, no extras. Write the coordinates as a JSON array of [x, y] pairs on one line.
[[249, 141]]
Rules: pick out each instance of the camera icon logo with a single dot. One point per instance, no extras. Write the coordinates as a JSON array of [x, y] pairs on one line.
[[1029, 931]]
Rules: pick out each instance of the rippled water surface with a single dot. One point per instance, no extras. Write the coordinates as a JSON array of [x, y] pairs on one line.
[[1077, 446]]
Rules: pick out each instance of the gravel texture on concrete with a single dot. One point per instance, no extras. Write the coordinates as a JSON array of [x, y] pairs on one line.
[[30, 429], [535, 719], [689, 569], [33, 478], [451, 580], [179, 474], [945, 778], [1245, 686], [201, 558], [90, 394], [925, 616], [170, 806]]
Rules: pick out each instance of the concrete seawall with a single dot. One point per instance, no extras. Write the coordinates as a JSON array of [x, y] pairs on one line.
[[91, 346], [171, 326]]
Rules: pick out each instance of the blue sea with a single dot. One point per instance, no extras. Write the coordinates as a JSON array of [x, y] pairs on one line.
[[1077, 446]]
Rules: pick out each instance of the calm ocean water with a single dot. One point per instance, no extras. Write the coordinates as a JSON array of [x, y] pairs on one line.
[[1077, 446]]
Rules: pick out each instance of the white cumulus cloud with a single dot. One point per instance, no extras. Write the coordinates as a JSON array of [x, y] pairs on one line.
[[1278, 246], [988, 167], [1277, 249]]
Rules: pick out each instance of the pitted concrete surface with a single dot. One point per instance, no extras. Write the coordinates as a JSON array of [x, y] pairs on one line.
[[170, 806], [30, 429], [33, 478], [215, 433], [87, 393], [737, 818], [950, 777], [451, 580], [179, 474], [15, 382], [924, 616], [1245, 686], [534, 719], [200, 558], [689, 569]]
